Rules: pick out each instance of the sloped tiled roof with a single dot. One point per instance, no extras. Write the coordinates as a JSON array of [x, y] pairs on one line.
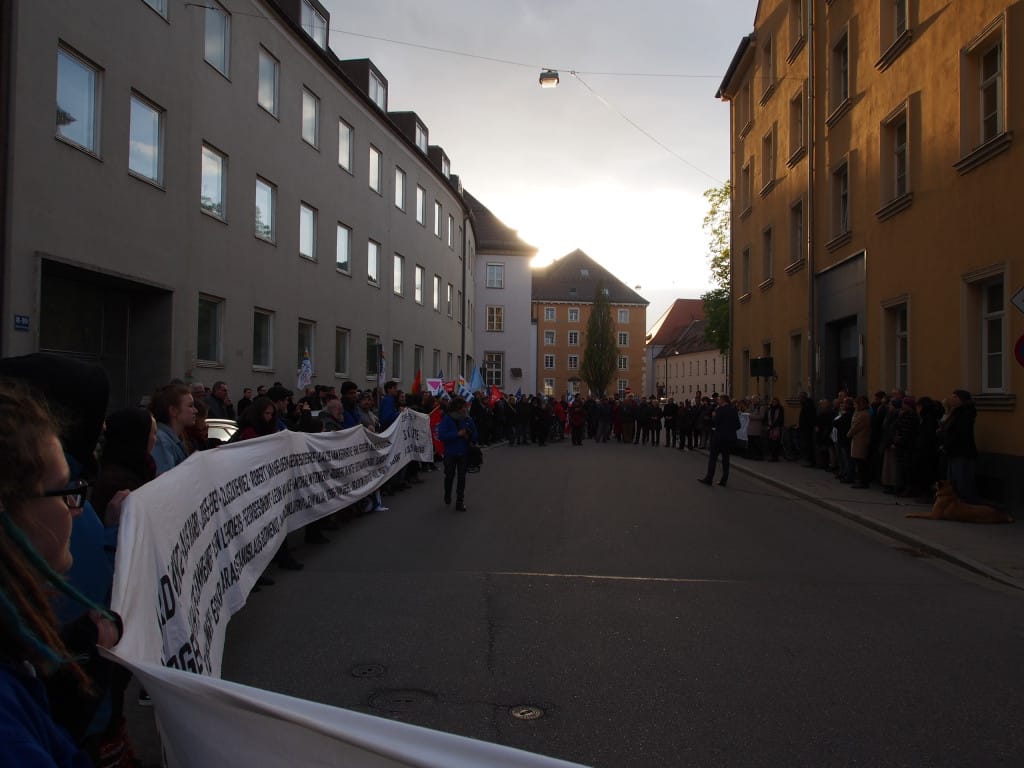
[[492, 235], [675, 319], [575, 277], [690, 340]]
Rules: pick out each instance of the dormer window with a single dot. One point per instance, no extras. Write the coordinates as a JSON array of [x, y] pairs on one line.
[[446, 167], [314, 24], [378, 92], [421, 138]]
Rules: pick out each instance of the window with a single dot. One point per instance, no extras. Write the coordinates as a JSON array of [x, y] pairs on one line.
[[623, 363], [796, 232], [341, 342], [623, 339], [990, 97], [462, 307], [494, 369], [399, 188], [895, 164], [549, 362], [623, 385], [446, 167], [78, 100], [745, 109], [574, 362], [796, 126], [745, 271], [902, 347], [437, 219], [574, 338], [310, 118], [209, 341], [892, 29], [266, 89], [549, 386], [314, 24], [768, 255], [796, 24], [984, 95], [375, 170], [345, 145], [343, 254], [307, 231], [421, 205], [900, 16], [767, 162], [746, 189], [373, 356], [398, 275], [449, 296], [549, 314], [574, 314], [146, 140], [448, 357], [160, 6], [839, 73], [262, 339], [623, 316], [397, 352], [767, 67], [217, 37], [417, 359], [451, 231], [419, 276], [495, 319], [214, 182], [373, 262], [378, 92], [495, 275], [841, 200], [437, 293], [306, 343], [993, 331], [436, 360], [266, 210], [549, 338], [421, 138]]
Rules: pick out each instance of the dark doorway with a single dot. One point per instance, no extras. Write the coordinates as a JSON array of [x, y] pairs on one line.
[[843, 359]]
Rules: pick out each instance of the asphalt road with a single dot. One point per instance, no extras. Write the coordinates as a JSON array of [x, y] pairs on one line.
[[654, 621]]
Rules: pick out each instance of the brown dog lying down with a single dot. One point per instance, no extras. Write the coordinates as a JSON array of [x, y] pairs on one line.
[[948, 507]]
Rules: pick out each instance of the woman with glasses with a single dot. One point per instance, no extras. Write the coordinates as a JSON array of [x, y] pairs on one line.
[[38, 502]]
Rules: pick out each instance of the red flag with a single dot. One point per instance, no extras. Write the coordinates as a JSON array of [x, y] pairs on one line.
[[416, 385], [495, 394], [435, 422]]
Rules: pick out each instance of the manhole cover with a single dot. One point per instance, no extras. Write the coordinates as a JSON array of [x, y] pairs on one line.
[[368, 670], [401, 700], [525, 712]]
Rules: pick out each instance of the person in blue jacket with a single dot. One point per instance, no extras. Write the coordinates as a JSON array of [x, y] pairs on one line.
[[458, 432]]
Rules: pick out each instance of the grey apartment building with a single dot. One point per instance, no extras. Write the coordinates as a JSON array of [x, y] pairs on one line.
[[208, 192]]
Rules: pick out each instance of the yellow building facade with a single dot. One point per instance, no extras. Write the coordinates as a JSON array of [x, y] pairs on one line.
[[874, 242]]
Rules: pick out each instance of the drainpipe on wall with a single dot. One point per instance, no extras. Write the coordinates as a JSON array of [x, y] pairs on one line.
[[812, 324], [465, 294]]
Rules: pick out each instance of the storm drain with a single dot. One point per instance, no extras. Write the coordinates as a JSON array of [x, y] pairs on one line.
[[397, 702], [526, 712], [368, 670]]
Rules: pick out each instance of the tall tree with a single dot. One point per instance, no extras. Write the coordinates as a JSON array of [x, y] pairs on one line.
[[716, 301], [599, 355]]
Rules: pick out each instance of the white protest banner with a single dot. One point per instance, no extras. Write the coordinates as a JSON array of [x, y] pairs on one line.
[[193, 541], [209, 722]]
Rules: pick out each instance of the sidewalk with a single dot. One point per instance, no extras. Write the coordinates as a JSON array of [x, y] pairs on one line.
[[995, 551]]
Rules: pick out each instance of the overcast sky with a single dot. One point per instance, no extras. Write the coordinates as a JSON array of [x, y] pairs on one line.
[[565, 166]]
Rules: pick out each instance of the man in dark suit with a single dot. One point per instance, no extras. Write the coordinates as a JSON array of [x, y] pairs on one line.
[[726, 422]]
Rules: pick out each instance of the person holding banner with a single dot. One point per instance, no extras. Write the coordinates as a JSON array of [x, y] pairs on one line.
[[457, 431], [37, 505]]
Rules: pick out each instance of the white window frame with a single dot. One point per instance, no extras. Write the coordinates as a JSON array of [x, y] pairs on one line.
[[310, 118], [839, 72], [342, 350], [841, 199], [307, 231], [399, 188], [549, 314], [268, 363], [549, 338], [574, 338], [343, 243], [549, 387], [269, 104], [421, 138], [419, 278], [495, 275], [574, 314], [159, 6], [217, 329], [270, 229], [494, 369], [373, 262], [310, 327], [398, 275], [421, 205], [346, 134], [622, 339], [623, 316], [397, 353], [437, 293], [451, 231], [437, 219], [314, 24], [449, 298], [156, 176], [495, 319], [378, 91], [376, 164], [989, 316], [622, 363], [372, 361], [213, 9], [573, 362], [212, 153], [796, 231], [623, 385], [549, 362], [91, 142]]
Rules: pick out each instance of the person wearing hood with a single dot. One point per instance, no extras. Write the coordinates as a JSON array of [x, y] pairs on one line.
[[458, 432], [958, 446]]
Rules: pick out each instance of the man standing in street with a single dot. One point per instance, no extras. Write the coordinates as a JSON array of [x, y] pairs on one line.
[[726, 423], [457, 432]]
